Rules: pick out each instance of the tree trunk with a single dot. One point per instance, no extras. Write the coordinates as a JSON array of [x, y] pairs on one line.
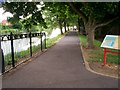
[[65, 26], [68, 27], [90, 36], [79, 25], [60, 25], [90, 40]]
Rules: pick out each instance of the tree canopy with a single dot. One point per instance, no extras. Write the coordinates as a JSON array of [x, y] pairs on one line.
[[93, 14]]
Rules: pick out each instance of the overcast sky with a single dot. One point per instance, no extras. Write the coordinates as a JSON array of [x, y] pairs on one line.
[[3, 16]]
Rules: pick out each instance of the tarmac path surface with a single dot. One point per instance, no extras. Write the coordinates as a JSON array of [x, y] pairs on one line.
[[60, 67]]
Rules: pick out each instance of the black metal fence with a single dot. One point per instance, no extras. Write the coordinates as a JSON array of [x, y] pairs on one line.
[[11, 37]]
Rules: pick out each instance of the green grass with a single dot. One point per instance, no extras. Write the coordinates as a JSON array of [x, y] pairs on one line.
[[17, 56], [23, 54], [51, 42], [83, 41], [96, 54]]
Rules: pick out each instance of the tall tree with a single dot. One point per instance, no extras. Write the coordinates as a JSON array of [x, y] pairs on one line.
[[95, 15], [59, 11]]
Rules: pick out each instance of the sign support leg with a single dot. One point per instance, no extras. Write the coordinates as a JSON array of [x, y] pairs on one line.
[[105, 52]]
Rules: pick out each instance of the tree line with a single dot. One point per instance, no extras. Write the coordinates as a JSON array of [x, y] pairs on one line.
[[90, 15]]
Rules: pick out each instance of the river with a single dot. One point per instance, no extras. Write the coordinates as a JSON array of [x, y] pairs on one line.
[[23, 44]]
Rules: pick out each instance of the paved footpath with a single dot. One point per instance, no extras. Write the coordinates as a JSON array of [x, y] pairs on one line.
[[60, 67]]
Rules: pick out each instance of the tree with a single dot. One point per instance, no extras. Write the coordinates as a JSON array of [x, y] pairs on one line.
[[30, 12], [0, 26], [15, 24], [58, 11], [95, 15], [33, 15]]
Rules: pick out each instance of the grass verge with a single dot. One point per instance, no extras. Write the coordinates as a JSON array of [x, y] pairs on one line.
[[96, 54], [24, 54]]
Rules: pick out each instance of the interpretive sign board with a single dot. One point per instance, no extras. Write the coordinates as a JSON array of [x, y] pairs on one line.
[[111, 41]]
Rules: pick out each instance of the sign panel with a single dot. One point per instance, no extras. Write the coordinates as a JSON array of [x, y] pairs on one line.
[[111, 41]]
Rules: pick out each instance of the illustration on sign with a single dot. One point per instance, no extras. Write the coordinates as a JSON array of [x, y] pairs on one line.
[[111, 41]]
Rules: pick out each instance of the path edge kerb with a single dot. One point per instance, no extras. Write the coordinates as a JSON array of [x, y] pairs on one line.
[[91, 70]]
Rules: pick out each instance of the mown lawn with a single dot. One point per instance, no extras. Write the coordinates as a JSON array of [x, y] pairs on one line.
[[96, 54]]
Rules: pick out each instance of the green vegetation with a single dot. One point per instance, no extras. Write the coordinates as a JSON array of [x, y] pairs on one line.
[[8, 31], [83, 41], [24, 54], [96, 54], [51, 42], [47, 14]]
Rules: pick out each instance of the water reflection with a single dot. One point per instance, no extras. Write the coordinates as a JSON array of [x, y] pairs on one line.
[[19, 44], [24, 44]]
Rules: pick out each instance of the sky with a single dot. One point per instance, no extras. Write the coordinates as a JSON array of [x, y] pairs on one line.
[[3, 16]]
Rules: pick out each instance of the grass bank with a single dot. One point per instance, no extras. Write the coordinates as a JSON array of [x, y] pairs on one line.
[[96, 54]]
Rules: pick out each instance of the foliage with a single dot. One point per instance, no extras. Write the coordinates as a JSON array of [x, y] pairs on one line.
[[0, 26], [100, 10], [57, 13], [32, 14], [95, 15], [7, 31], [28, 10], [60, 14]]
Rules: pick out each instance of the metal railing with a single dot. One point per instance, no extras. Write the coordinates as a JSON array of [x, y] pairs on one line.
[[11, 37]]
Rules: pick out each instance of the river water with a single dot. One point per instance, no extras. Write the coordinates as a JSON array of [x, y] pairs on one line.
[[23, 44], [19, 44]]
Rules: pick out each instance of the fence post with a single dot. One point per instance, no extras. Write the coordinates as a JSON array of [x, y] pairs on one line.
[[41, 40], [12, 50], [2, 66], [30, 44], [45, 40]]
